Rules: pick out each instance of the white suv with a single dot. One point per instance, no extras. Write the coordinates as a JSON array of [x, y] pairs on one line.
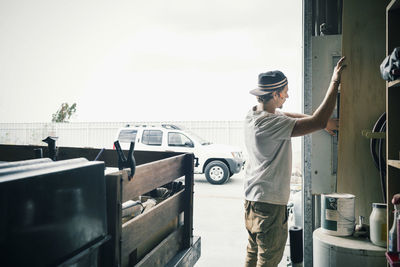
[[217, 162]]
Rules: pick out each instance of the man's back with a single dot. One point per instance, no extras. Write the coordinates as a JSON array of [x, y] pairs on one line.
[[268, 144]]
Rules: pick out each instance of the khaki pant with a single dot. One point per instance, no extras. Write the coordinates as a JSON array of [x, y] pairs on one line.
[[267, 227]]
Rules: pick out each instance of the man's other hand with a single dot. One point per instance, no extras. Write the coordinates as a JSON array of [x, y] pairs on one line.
[[332, 125]]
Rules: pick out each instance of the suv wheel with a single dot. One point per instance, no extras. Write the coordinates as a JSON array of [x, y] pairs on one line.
[[217, 172]]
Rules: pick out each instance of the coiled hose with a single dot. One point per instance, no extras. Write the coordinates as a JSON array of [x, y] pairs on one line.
[[377, 152]]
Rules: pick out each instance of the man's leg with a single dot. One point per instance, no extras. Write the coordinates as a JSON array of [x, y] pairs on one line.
[[267, 227], [252, 251], [271, 241], [271, 246]]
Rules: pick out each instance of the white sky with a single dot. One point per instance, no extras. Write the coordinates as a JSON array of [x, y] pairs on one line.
[[152, 60]]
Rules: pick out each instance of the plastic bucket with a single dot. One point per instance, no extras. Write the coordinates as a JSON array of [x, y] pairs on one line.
[[337, 214]]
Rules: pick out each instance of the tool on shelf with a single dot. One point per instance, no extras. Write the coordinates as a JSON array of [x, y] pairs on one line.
[[123, 162]]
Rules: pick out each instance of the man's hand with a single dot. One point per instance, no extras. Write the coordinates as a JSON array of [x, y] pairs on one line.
[[337, 72], [396, 199], [332, 125]]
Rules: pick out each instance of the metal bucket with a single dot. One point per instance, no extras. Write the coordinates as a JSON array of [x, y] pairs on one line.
[[337, 214]]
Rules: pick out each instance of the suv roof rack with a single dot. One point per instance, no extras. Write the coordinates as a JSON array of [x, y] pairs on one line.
[[166, 126], [170, 126]]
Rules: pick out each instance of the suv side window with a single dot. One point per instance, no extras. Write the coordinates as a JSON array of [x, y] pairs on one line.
[[127, 136], [152, 137], [178, 139]]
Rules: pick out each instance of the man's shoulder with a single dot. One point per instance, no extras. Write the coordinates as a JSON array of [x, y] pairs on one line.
[[269, 118], [263, 119]]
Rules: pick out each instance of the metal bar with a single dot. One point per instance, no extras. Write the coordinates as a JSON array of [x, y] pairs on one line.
[[307, 89], [188, 210]]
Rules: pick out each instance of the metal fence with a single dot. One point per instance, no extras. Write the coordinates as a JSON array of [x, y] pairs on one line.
[[103, 134]]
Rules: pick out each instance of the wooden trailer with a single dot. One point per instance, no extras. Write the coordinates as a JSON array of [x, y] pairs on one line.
[[163, 236]]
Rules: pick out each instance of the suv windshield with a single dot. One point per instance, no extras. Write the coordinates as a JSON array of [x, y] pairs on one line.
[[200, 139], [178, 139]]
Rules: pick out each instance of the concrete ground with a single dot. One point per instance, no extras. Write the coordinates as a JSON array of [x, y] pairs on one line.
[[219, 220]]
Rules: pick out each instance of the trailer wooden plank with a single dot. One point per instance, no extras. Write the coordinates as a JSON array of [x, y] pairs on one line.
[[142, 227], [165, 251], [15, 152], [187, 257], [109, 156], [110, 252], [152, 175]]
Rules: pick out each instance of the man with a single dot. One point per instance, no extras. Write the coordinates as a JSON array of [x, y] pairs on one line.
[[267, 177]]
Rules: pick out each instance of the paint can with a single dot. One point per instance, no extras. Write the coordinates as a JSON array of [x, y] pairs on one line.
[[337, 214]]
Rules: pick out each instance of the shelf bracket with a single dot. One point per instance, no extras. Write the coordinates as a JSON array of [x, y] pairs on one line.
[[373, 135]]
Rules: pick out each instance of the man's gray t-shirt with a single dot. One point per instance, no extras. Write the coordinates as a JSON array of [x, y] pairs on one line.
[[269, 149]]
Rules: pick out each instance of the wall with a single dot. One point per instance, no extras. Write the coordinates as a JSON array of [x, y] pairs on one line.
[[362, 100]]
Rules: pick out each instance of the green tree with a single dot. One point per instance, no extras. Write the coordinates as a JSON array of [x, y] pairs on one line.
[[64, 113]]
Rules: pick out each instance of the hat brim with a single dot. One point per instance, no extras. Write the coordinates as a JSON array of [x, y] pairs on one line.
[[259, 92]]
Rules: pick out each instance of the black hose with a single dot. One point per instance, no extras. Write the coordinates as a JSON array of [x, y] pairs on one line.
[[376, 148], [377, 128], [382, 163]]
